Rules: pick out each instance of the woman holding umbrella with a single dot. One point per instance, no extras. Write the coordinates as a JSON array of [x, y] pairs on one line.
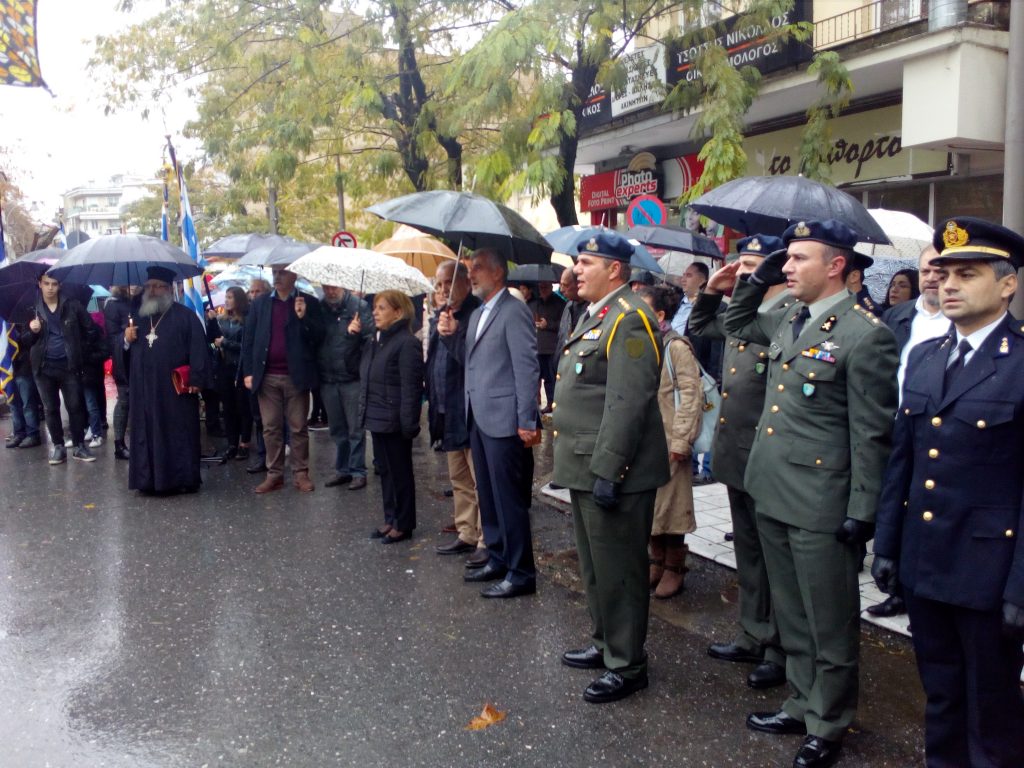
[[391, 375]]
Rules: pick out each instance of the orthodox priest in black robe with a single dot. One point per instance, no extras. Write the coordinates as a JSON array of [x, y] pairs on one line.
[[164, 455]]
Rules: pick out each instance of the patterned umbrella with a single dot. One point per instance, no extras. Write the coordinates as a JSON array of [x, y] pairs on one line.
[[362, 270]]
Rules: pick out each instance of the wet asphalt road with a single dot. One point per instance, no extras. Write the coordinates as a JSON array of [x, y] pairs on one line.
[[227, 629]]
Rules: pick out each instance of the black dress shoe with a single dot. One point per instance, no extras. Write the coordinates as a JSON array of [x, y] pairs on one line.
[[13, 441], [456, 547], [817, 752], [611, 686], [31, 442], [337, 480], [777, 723], [391, 538], [767, 674], [507, 589], [357, 483], [478, 559], [121, 451], [733, 652], [892, 606], [487, 573], [584, 658], [378, 533]]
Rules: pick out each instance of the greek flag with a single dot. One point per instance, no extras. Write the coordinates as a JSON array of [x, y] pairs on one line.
[[8, 346], [193, 287], [61, 239]]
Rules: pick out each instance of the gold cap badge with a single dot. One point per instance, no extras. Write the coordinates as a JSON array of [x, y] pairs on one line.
[[802, 230], [954, 235], [592, 245], [754, 245]]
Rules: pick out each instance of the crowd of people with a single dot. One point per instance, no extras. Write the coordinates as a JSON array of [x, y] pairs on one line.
[[835, 419]]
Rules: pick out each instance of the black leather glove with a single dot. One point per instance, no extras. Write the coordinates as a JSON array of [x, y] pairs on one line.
[[1013, 621], [606, 493], [855, 532], [769, 271], [885, 572]]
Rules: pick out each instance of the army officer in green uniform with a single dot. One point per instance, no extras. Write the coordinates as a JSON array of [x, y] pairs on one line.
[[815, 470], [610, 452], [744, 374]]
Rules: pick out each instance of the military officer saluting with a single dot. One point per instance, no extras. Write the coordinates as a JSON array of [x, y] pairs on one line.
[[815, 470], [744, 374], [610, 452], [950, 517]]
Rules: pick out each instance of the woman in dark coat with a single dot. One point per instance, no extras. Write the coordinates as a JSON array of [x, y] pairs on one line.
[[391, 375], [234, 397]]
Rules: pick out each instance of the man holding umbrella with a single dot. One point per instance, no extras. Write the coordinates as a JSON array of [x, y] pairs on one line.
[[169, 364], [815, 469]]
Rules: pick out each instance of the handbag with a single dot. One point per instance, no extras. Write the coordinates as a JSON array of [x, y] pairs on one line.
[[712, 404]]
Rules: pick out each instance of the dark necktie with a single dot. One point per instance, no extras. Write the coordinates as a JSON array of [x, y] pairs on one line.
[[955, 368], [799, 321]]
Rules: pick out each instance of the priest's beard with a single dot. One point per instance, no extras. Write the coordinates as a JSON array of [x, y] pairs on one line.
[[155, 305]]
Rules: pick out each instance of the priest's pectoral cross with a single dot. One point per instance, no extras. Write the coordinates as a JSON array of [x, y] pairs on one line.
[[151, 337]]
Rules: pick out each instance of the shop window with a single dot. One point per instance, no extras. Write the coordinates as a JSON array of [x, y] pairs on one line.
[[912, 198], [981, 197]]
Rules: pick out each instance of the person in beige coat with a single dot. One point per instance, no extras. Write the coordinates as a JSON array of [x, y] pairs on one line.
[[681, 402]]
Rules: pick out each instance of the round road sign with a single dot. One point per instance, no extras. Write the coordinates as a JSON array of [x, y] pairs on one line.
[[646, 211], [343, 240]]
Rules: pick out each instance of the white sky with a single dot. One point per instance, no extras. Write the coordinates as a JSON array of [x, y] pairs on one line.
[[62, 141]]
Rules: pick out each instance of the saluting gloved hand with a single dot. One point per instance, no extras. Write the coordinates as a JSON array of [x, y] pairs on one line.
[[1013, 620], [855, 532], [885, 572], [606, 493], [769, 271]]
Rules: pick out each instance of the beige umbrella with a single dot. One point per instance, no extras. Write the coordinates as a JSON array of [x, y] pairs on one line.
[[416, 249]]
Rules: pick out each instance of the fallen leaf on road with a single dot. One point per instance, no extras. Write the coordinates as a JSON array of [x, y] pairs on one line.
[[90, 506], [489, 716]]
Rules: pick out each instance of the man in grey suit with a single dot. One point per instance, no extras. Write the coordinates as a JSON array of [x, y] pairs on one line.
[[502, 379]]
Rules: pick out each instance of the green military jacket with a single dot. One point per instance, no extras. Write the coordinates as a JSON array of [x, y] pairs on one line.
[[826, 425], [605, 411], [744, 376]]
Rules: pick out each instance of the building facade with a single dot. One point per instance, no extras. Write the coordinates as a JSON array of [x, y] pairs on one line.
[[923, 133], [96, 208]]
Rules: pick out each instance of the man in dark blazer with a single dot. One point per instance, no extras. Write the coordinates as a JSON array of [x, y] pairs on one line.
[[502, 377], [914, 322], [815, 470], [950, 516], [283, 331], [610, 452], [744, 374]]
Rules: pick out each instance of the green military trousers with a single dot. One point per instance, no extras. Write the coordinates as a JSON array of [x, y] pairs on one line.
[[612, 548], [759, 634], [816, 598]]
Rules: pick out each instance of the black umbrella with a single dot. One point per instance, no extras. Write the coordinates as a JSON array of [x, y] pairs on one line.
[[769, 204], [536, 273], [19, 289], [277, 254], [472, 220], [122, 260], [236, 246], [50, 255], [673, 238], [77, 237]]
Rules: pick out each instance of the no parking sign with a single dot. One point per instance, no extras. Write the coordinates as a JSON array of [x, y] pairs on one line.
[[646, 211], [343, 239]]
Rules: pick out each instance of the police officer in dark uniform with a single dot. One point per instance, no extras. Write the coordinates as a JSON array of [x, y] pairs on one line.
[[610, 452], [855, 285], [744, 374], [950, 517]]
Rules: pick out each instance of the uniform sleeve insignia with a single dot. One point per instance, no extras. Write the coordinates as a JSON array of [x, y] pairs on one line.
[[954, 235], [635, 348], [802, 230], [592, 244]]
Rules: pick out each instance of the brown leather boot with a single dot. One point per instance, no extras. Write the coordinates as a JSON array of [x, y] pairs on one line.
[[671, 583], [270, 483], [657, 550], [303, 483]]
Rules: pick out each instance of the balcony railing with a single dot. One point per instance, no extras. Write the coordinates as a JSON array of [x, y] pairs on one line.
[[867, 20]]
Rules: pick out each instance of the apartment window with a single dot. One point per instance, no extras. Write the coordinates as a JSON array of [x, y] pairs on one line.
[[897, 12]]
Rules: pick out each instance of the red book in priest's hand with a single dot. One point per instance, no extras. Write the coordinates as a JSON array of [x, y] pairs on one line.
[[180, 377]]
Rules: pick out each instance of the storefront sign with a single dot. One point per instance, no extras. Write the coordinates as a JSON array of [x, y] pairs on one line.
[[681, 173], [616, 188], [747, 44], [866, 146]]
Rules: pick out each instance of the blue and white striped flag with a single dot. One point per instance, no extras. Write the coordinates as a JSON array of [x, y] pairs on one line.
[[193, 287], [61, 238]]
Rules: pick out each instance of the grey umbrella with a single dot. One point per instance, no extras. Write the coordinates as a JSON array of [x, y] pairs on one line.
[[769, 204], [278, 254], [673, 238], [121, 260], [536, 273], [236, 246], [472, 220]]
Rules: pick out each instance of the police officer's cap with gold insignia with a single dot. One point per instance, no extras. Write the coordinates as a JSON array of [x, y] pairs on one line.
[[608, 244], [966, 238], [830, 232]]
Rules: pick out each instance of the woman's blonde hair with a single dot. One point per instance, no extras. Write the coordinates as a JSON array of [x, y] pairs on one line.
[[399, 302]]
